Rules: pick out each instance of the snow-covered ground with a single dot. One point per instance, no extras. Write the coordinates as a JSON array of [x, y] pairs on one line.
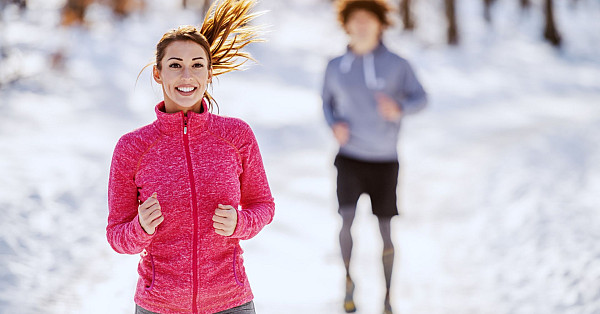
[[500, 175]]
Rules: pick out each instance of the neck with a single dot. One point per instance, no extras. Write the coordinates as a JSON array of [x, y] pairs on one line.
[[172, 107], [363, 47]]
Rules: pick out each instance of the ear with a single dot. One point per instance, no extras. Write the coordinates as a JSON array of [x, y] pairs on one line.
[[210, 76], [156, 75]]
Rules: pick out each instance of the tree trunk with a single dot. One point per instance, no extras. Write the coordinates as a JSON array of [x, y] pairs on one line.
[[550, 32], [487, 8], [205, 7], [184, 4], [406, 14], [73, 12], [451, 17], [525, 4]]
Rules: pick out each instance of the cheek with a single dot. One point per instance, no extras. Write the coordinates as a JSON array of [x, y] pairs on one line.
[[167, 78], [203, 78]]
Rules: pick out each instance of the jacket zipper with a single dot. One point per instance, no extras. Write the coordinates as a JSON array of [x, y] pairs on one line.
[[195, 215]]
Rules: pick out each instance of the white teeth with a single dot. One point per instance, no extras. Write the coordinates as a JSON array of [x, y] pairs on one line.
[[185, 89]]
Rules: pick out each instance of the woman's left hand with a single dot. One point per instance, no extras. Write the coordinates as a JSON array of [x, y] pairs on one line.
[[225, 220]]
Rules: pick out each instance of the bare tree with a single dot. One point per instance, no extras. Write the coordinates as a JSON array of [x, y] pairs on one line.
[[550, 32], [451, 17], [487, 8], [73, 12], [406, 15], [123, 8], [202, 5], [205, 6]]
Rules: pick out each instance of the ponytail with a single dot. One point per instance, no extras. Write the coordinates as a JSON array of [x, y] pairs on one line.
[[227, 31]]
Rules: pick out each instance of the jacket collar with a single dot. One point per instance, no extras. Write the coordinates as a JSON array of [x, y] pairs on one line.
[[170, 123], [349, 57], [378, 50]]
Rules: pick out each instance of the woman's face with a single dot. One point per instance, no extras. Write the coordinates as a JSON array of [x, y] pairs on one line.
[[184, 76], [363, 26]]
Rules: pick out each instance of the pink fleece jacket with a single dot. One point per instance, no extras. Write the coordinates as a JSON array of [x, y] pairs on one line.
[[194, 163]]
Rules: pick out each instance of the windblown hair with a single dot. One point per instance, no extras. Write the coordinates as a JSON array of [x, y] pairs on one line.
[[378, 7], [225, 31]]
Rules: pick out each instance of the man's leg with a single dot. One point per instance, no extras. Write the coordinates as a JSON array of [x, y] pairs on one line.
[[387, 258], [349, 189], [346, 243]]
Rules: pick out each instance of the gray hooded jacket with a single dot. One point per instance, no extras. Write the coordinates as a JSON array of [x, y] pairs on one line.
[[349, 95]]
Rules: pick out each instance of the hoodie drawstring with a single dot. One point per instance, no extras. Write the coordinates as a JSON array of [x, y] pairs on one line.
[[370, 75]]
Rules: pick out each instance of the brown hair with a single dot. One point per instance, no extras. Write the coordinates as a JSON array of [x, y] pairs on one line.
[[223, 35], [378, 7]]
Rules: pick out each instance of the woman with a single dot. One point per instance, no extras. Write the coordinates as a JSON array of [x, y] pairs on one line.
[[366, 93], [176, 184]]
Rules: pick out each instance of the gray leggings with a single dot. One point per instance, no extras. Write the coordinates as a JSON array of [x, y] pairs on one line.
[[247, 308]]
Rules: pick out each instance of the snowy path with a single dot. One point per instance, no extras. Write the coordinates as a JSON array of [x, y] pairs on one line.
[[500, 176]]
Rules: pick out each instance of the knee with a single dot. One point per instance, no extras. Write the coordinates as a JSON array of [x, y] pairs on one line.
[[347, 214], [388, 248]]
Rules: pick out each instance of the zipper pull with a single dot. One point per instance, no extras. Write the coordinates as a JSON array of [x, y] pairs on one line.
[[185, 125]]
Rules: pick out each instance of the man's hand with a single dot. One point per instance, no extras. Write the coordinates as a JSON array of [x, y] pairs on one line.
[[388, 108], [341, 131]]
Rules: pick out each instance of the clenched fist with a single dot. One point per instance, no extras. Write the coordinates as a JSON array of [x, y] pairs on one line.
[[341, 131], [225, 220], [150, 215], [388, 108]]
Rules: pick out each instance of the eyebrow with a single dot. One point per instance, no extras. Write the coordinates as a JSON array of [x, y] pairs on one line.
[[179, 59]]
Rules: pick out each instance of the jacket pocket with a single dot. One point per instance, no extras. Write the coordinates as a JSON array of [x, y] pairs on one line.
[[238, 267], [150, 286]]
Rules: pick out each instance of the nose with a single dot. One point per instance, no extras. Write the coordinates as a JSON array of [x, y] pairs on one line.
[[186, 73]]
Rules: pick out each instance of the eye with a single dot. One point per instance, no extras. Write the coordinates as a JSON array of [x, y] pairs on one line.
[[174, 65], [198, 65]]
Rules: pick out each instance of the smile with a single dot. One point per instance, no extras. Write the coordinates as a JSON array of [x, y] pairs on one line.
[[186, 89]]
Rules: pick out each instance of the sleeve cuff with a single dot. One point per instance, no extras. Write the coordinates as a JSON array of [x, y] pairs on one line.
[[240, 226]]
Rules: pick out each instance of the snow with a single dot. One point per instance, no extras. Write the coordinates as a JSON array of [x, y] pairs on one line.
[[500, 175]]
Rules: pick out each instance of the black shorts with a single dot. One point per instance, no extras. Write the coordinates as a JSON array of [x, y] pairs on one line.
[[377, 179]]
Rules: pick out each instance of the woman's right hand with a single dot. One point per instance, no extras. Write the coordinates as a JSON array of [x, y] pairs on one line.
[[150, 215]]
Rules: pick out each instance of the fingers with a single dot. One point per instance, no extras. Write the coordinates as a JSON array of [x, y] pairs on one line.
[[341, 131], [154, 209], [389, 110], [225, 220], [388, 107], [223, 233], [150, 214], [157, 222], [150, 201]]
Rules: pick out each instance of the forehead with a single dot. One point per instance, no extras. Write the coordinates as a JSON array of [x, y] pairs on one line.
[[360, 13], [185, 49]]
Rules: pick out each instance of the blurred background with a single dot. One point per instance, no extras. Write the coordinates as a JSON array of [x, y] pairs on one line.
[[500, 175]]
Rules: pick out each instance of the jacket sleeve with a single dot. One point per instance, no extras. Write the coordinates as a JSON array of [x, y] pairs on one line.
[[124, 232], [327, 97], [414, 97], [257, 205]]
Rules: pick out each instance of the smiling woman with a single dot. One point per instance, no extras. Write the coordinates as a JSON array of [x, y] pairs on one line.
[[184, 74], [184, 190]]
